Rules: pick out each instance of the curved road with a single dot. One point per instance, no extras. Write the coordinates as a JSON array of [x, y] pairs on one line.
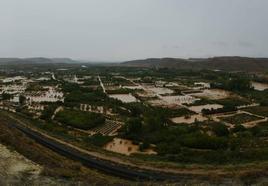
[[107, 167]]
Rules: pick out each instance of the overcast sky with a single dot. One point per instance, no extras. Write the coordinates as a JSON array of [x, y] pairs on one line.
[[118, 30]]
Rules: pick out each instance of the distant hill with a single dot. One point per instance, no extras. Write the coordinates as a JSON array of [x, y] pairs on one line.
[[216, 63], [38, 60]]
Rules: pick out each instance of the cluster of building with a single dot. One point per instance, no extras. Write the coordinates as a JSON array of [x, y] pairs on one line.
[[96, 109], [51, 94], [14, 93]]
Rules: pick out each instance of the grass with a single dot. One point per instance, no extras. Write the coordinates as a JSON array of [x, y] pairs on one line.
[[79, 119]]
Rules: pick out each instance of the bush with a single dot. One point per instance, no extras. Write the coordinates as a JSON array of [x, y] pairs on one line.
[[143, 146], [220, 129], [238, 128], [133, 126], [98, 140], [203, 141]]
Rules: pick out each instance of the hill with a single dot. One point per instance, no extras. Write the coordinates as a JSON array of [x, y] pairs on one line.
[[215, 63], [38, 60]]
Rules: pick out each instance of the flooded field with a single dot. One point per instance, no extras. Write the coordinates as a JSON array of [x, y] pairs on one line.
[[259, 86], [125, 98], [134, 87], [212, 94], [160, 91], [172, 100], [198, 109], [126, 147], [190, 119], [179, 100]]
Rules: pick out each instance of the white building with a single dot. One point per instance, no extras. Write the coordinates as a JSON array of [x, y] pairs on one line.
[[51, 95]]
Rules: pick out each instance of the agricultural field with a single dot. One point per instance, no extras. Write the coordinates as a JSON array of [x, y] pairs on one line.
[[240, 118]]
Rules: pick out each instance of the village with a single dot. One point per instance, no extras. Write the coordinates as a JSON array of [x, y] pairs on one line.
[[108, 105]]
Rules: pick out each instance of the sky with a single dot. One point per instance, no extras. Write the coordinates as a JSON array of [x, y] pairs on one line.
[[120, 30]]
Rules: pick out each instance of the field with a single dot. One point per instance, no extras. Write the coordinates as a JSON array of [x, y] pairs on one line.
[[260, 110], [240, 118], [80, 120]]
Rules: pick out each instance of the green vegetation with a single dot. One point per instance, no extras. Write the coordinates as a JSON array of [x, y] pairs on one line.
[[53, 164], [259, 110], [35, 87], [98, 140], [6, 96], [219, 110], [80, 120], [48, 112], [233, 102], [236, 83], [207, 142], [120, 91], [258, 96]]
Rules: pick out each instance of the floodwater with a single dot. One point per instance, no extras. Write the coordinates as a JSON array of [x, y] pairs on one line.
[[133, 87], [126, 147], [160, 91], [189, 120], [259, 86], [179, 100], [212, 94], [199, 108], [172, 100], [125, 98]]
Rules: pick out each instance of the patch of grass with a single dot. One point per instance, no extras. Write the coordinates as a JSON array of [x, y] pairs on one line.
[[79, 119]]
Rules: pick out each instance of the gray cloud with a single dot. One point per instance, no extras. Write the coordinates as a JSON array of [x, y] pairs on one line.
[[130, 29], [245, 44]]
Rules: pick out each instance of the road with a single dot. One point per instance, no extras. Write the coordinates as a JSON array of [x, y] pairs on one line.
[[111, 168], [101, 84]]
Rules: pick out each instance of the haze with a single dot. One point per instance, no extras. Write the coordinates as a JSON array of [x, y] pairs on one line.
[[118, 30]]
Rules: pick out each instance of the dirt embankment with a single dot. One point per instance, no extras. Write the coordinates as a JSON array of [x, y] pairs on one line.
[[42, 166], [14, 166]]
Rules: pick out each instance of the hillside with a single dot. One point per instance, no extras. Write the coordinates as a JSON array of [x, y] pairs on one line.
[[216, 63], [38, 60]]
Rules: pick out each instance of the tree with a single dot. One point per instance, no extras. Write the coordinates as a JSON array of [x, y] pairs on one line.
[[154, 123], [133, 126], [6, 96], [22, 99], [220, 129]]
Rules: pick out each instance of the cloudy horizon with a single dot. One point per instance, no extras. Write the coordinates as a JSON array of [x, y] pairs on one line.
[[120, 30]]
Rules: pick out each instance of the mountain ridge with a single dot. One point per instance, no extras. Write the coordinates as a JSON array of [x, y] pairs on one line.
[[228, 63], [35, 60]]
